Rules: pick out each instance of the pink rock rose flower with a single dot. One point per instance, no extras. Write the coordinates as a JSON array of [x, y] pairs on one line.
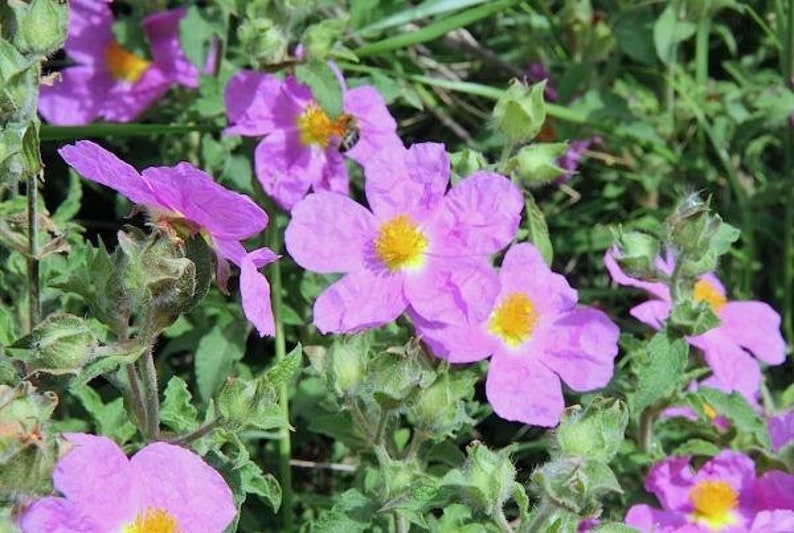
[[183, 198], [536, 334], [161, 488]]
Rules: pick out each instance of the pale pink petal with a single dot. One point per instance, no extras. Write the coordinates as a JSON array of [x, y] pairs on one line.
[[71, 99], [671, 480], [647, 519], [90, 31], [162, 32], [781, 521], [480, 214], [455, 292], [653, 313], [581, 347], [97, 164], [775, 490], [756, 327], [734, 367], [56, 515], [523, 270], [96, 477], [330, 233], [378, 129], [285, 169], [410, 182], [250, 98], [660, 290], [180, 482], [255, 292], [224, 214], [333, 177], [358, 302], [781, 429], [457, 344], [521, 389]]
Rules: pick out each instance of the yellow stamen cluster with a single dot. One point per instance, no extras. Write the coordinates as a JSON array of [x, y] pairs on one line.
[[153, 521], [400, 244], [317, 128], [124, 65], [714, 502], [514, 319], [704, 291]]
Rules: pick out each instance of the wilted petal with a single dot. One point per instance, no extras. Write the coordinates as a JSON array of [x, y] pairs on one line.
[[781, 429], [646, 518], [755, 326], [358, 302], [521, 389]]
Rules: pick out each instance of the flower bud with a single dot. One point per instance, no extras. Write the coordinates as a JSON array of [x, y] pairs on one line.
[[520, 112], [637, 253], [41, 26], [537, 163], [595, 432], [61, 343]]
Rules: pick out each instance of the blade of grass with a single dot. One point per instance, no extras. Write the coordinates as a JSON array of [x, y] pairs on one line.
[[430, 8], [68, 133]]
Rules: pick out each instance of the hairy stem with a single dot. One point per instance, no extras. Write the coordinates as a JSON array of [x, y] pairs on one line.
[[151, 394], [34, 289]]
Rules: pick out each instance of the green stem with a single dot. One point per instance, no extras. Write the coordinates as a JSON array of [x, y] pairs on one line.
[[788, 231], [285, 446], [501, 521], [137, 405], [540, 515], [702, 62], [198, 433], [34, 289], [151, 394]]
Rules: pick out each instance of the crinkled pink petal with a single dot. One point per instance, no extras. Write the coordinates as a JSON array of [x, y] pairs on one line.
[[56, 515], [523, 270], [581, 347], [671, 480], [250, 97], [359, 301], [521, 389], [774, 490], [781, 429], [330, 233], [453, 292], [125, 102], [224, 214], [660, 290], [333, 177], [457, 344], [780, 521], [734, 468], [756, 327], [407, 182], [653, 313], [162, 32], [480, 214], [97, 164], [180, 482], [90, 31], [378, 129], [255, 292], [647, 519], [72, 99], [285, 169], [96, 477], [734, 367]]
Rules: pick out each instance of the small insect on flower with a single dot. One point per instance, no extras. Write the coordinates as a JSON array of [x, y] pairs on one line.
[[350, 132]]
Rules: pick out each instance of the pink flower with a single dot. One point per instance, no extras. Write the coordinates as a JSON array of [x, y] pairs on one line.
[[781, 429], [110, 82], [724, 495], [161, 488], [417, 246], [302, 148], [536, 334], [183, 198], [746, 326]]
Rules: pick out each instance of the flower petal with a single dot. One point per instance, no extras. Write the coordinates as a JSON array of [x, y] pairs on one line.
[[250, 98], [659, 290], [286, 169], [734, 367], [359, 301], [734, 468], [90, 31], [125, 102], [71, 100], [756, 327], [162, 32], [330, 233], [521, 389], [56, 515], [255, 292], [524, 270], [180, 482], [378, 127], [670, 480], [457, 344], [774, 490], [581, 347], [653, 313], [646, 518], [97, 164]]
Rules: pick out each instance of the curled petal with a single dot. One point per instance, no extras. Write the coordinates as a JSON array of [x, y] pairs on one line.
[[654, 313], [255, 292], [659, 290]]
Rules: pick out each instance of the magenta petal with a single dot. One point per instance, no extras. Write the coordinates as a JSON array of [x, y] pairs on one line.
[[224, 214], [330, 233], [457, 344], [523, 270], [333, 177], [250, 98], [412, 182], [756, 327], [775, 490], [781, 429], [377, 127], [255, 291], [125, 102], [90, 31], [56, 515], [646, 518], [670, 480], [70, 100], [734, 468], [359, 301], [779, 520], [659, 290], [96, 476], [97, 164], [581, 348], [481, 213], [162, 31], [521, 389], [734, 367], [653, 313], [285, 169], [180, 482]]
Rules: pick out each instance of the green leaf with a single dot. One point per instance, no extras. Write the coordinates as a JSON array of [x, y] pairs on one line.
[[70, 206], [111, 419], [538, 230], [669, 30], [322, 80], [285, 370], [254, 481], [176, 410], [738, 411], [195, 32], [698, 447], [215, 357], [658, 369]]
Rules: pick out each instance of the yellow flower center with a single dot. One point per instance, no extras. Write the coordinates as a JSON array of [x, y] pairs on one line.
[[317, 128], [514, 319], [124, 65], [400, 244], [153, 521], [714, 503], [706, 292]]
